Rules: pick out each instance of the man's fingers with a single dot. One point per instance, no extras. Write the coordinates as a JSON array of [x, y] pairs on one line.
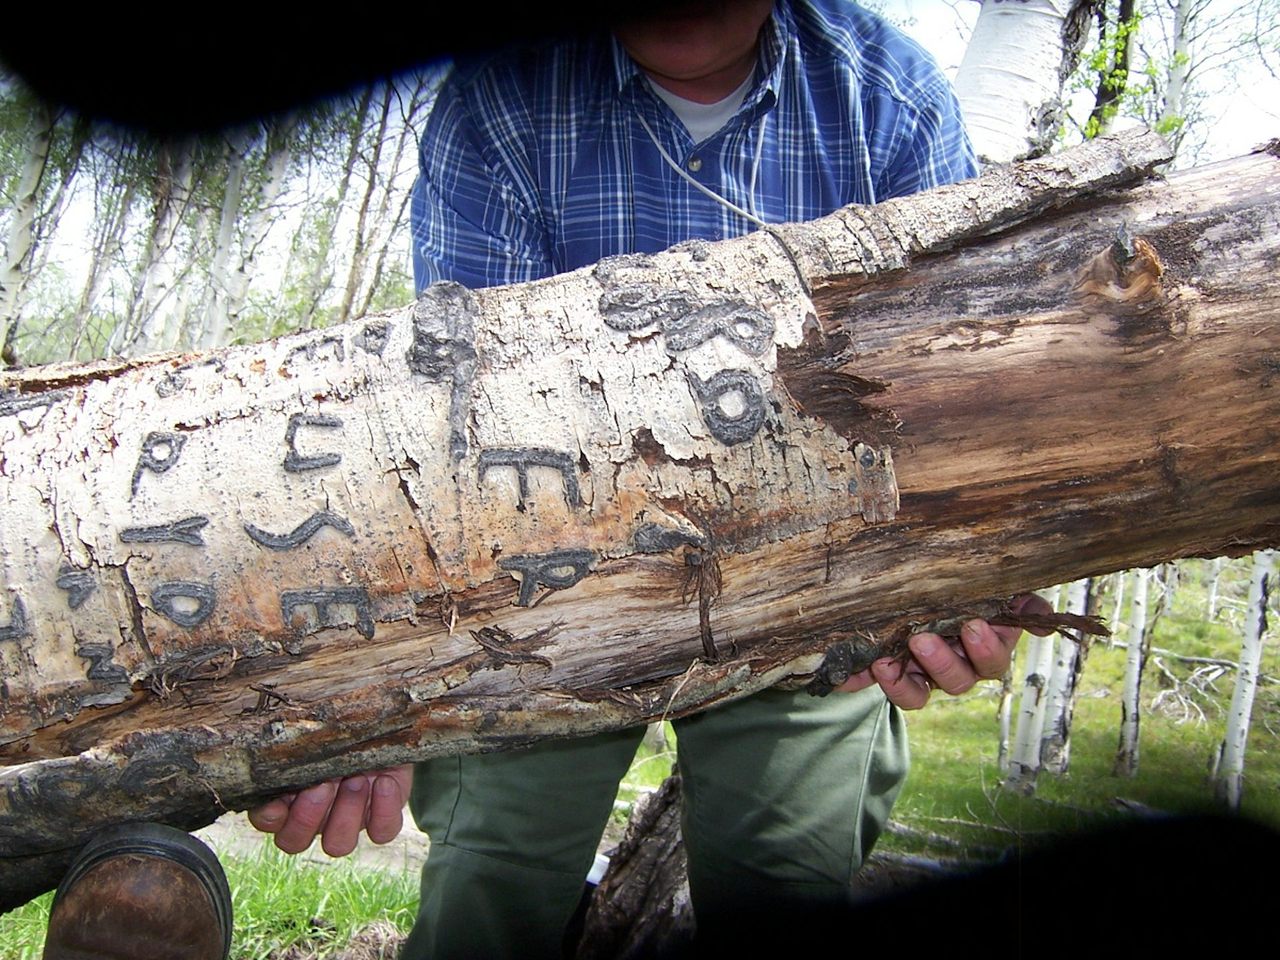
[[346, 816], [988, 648], [271, 816], [857, 681], [386, 808], [908, 690], [1032, 605], [307, 815], [947, 668]]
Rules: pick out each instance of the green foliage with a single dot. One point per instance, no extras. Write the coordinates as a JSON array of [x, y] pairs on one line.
[[653, 763], [1104, 67]]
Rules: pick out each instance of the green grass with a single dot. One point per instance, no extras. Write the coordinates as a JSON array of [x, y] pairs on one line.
[[279, 900], [954, 776]]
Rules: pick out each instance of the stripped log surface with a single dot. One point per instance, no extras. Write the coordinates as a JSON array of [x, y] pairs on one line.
[[631, 491]]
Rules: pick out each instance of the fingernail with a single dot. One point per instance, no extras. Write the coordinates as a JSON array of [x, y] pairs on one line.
[[353, 785], [385, 787], [925, 645]]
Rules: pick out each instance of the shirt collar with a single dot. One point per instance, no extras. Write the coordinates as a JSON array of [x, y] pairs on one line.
[[775, 37]]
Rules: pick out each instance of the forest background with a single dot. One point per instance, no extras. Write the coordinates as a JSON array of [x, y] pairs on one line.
[[118, 243]]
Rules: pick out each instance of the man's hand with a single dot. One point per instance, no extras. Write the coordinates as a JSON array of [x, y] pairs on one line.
[[983, 653], [338, 810]]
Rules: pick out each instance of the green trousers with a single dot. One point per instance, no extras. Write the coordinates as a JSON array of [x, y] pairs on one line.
[[784, 795]]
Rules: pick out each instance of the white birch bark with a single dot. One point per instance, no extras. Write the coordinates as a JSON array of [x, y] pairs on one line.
[[214, 315], [1004, 717], [21, 238], [1024, 764], [1055, 740], [1117, 609], [115, 193], [253, 235], [1010, 81], [1172, 107], [1170, 578], [1229, 771], [1127, 753], [149, 320], [1211, 594]]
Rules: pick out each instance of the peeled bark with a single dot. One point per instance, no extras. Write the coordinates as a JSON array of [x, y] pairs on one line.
[[629, 492]]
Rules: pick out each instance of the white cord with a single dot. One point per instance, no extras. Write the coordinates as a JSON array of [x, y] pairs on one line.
[[755, 165], [707, 190]]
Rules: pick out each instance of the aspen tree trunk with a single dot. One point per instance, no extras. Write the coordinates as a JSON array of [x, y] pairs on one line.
[[1228, 782], [1211, 594], [1126, 764], [1117, 609], [1010, 81], [254, 233], [1055, 738], [1176, 73], [1004, 718], [632, 491], [1024, 764], [360, 251], [112, 218], [150, 322], [214, 318], [21, 238]]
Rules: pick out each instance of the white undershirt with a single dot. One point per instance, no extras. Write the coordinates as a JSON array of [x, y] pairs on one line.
[[703, 119]]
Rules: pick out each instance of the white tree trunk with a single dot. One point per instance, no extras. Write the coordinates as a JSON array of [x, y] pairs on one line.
[[1010, 81], [1024, 764], [1055, 740], [1004, 717], [1229, 773], [1117, 609], [18, 247], [213, 319], [1176, 72], [253, 235], [1127, 754], [1211, 594], [152, 314], [112, 218]]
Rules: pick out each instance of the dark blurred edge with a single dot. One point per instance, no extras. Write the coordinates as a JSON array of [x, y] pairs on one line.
[[231, 64]]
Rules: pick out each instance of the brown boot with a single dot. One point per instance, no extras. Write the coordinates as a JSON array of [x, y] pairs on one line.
[[138, 891]]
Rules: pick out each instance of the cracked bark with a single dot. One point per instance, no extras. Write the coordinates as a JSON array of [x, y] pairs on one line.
[[947, 348]]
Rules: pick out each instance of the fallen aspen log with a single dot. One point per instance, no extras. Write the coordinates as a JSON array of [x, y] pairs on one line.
[[631, 491]]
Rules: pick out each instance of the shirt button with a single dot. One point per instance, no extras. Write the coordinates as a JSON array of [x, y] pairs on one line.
[[695, 164]]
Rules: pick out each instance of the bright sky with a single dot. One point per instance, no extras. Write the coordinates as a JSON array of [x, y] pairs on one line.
[[1245, 114]]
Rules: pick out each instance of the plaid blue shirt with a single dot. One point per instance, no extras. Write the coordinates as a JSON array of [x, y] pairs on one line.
[[534, 162]]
